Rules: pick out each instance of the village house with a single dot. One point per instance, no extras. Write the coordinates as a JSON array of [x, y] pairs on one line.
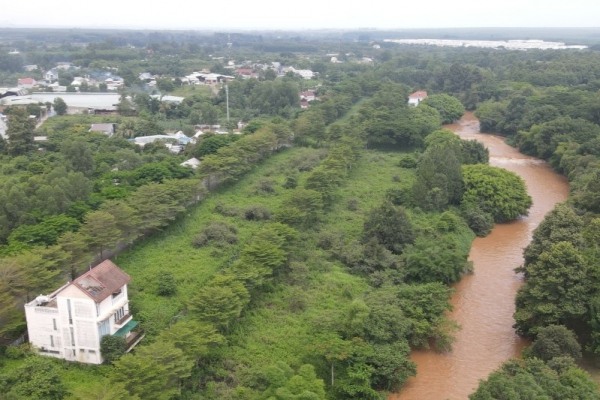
[[107, 129], [416, 98], [70, 322], [308, 95], [30, 67], [51, 75], [26, 83]]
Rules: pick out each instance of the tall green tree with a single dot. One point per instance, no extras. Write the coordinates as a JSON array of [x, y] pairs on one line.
[[100, 231], [20, 132]]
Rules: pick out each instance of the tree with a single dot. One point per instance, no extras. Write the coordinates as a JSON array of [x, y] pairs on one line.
[[126, 220], [390, 226], [74, 244], [556, 290], [100, 231], [496, 191], [60, 107], [194, 338], [285, 385], [220, 302], [79, 154], [302, 207], [532, 379], [450, 108], [38, 378], [20, 132], [561, 224], [439, 177], [555, 341], [112, 347], [440, 260], [153, 372]]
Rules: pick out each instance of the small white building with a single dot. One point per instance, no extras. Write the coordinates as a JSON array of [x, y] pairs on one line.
[[70, 322], [416, 98], [192, 162], [51, 76]]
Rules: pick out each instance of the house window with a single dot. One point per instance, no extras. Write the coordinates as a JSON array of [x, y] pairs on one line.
[[117, 293], [104, 328], [73, 352], [70, 314], [119, 314], [72, 337], [51, 341], [54, 324]]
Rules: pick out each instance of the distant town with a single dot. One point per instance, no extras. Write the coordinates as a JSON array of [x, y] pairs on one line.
[[491, 44]]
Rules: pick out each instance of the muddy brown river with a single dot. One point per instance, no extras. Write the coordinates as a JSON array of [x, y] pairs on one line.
[[484, 302]]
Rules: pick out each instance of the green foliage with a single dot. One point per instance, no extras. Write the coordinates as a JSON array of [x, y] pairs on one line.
[[534, 379], [20, 133], [59, 105], [219, 234], [450, 108], [496, 191], [112, 347], [480, 222], [153, 372], [555, 341], [561, 224], [556, 290], [439, 178], [390, 226], [46, 232], [441, 260], [166, 284], [283, 384], [38, 378]]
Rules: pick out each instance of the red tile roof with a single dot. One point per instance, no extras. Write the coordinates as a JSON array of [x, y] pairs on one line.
[[421, 94], [102, 281], [244, 71], [27, 81]]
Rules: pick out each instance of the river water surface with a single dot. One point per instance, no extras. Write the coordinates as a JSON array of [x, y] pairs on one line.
[[484, 302]]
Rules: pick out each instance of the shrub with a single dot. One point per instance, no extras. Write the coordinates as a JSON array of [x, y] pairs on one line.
[[257, 213], [219, 234], [265, 186], [112, 347], [166, 284], [408, 161], [480, 222]]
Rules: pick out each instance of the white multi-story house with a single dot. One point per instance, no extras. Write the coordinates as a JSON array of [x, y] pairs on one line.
[[70, 322]]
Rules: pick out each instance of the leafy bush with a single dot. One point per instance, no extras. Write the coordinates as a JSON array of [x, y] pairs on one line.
[[408, 161], [112, 347], [166, 284], [219, 234], [257, 213], [480, 222]]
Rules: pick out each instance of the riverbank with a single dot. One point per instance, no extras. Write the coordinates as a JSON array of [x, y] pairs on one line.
[[484, 302]]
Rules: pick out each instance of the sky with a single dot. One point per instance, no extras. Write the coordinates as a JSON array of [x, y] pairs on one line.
[[298, 14]]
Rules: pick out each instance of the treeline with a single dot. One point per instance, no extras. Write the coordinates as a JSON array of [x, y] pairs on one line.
[[561, 268]]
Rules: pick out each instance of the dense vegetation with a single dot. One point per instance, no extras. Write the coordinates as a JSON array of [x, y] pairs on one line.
[[322, 251]]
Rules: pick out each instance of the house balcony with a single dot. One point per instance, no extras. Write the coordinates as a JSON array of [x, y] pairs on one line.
[[132, 333], [124, 319]]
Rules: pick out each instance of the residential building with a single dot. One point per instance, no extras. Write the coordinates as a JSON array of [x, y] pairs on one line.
[[30, 67], [26, 83], [416, 98], [51, 75], [107, 129], [192, 162], [308, 95], [70, 322]]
